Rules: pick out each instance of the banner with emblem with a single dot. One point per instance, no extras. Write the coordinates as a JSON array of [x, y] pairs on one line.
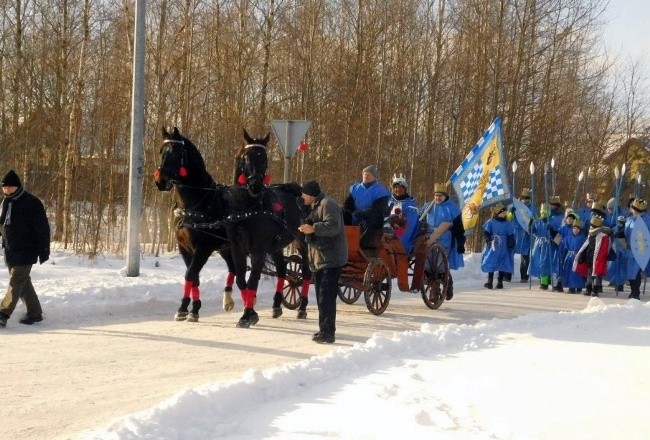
[[481, 180]]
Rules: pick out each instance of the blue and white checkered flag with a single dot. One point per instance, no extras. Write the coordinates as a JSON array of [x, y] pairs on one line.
[[482, 179]]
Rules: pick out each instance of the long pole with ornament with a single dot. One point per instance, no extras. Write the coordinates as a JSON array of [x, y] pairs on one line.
[[302, 148]]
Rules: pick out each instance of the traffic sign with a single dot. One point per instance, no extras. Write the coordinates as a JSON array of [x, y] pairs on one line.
[[289, 134]]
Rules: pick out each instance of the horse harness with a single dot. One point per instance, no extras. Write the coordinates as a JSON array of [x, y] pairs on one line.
[[203, 221]]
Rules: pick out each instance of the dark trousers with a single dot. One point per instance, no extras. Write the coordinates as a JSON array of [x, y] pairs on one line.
[[523, 266], [326, 282], [20, 287]]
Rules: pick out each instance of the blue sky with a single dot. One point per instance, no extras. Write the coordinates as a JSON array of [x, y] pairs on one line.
[[626, 34]]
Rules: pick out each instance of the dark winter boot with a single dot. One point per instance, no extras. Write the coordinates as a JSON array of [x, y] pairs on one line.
[[193, 316], [450, 289], [302, 310], [598, 289], [490, 280], [277, 305], [500, 279], [181, 313], [588, 290], [558, 287], [620, 287], [572, 290]]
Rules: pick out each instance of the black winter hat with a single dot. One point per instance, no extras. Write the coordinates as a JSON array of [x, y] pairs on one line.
[[11, 179], [311, 188]]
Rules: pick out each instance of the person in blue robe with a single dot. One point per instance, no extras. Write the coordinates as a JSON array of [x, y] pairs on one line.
[[556, 218], [638, 208], [444, 224], [540, 257], [498, 255], [569, 248], [403, 217], [522, 236]]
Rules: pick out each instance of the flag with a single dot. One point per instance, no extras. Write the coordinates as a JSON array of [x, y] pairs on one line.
[[482, 179]]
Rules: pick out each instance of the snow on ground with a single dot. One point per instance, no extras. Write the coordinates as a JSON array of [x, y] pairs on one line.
[[564, 375]]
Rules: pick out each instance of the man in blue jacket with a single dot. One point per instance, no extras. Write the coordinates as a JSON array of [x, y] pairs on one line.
[[367, 206], [25, 234]]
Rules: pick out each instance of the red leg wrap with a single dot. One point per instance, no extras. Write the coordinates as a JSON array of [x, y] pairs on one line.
[[250, 298], [279, 286], [187, 289], [305, 287], [230, 279], [196, 295]]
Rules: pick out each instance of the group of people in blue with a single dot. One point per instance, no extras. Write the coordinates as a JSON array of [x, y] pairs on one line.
[[565, 249], [579, 250]]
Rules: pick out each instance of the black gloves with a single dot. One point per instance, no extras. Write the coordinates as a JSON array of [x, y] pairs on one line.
[[461, 248], [42, 258], [423, 228]]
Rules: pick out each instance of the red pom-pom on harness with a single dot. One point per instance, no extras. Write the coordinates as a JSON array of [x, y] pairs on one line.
[[156, 174], [277, 206], [267, 179], [182, 172], [241, 179]]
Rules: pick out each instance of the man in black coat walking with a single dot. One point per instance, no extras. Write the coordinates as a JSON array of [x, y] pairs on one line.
[[25, 233]]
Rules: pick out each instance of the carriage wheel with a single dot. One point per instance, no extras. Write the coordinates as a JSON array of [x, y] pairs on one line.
[[292, 282], [379, 283], [436, 277], [349, 295]]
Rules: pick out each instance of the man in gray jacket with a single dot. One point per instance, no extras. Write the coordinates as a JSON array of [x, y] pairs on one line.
[[328, 253]]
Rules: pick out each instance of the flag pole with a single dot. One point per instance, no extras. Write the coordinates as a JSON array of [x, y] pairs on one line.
[[514, 178], [575, 195], [553, 176], [548, 221], [530, 226]]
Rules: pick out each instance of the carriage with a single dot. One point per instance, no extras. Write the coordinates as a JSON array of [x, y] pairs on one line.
[[426, 272], [427, 269]]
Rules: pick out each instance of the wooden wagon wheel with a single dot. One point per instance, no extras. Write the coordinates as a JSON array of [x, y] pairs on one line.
[[349, 295], [292, 282], [378, 282], [436, 277]]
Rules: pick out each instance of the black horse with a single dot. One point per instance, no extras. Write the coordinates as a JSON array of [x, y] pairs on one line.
[[209, 221], [264, 220], [199, 201]]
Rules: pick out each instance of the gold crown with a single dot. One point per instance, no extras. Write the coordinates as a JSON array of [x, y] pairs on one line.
[[440, 188], [526, 193], [497, 208], [596, 221], [639, 205], [577, 223], [555, 200]]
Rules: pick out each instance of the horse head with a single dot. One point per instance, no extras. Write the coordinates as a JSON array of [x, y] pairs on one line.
[[252, 164], [181, 162]]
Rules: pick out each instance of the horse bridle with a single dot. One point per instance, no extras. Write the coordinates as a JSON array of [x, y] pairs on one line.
[[182, 171], [244, 179]]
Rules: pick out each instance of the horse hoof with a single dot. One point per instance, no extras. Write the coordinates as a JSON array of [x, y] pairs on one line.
[[180, 316], [228, 303], [277, 312], [254, 318], [243, 323], [192, 317], [302, 314]]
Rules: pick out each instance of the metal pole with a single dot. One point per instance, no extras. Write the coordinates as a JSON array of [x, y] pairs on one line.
[[137, 130], [287, 154], [548, 222]]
